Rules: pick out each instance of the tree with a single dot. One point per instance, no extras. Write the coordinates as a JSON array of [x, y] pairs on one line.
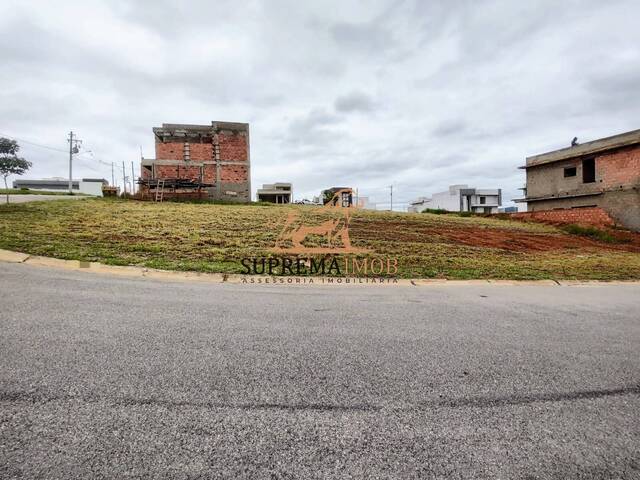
[[10, 163]]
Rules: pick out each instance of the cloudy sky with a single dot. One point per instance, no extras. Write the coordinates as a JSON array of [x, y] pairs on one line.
[[419, 94]]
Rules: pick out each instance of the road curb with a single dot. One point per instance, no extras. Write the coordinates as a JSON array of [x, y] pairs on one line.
[[8, 256], [123, 271]]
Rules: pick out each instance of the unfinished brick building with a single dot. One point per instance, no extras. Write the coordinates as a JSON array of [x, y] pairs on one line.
[[204, 161], [600, 175]]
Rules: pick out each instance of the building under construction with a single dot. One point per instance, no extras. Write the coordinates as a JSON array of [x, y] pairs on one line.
[[199, 161]]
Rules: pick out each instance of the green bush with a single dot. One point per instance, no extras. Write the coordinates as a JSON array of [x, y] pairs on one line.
[[591, 232], [436, 211], [442, 211]]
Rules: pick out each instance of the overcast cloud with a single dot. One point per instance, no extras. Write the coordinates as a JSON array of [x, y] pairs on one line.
[[416, 94]]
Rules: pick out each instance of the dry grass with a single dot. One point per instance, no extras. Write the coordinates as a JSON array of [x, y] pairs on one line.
[[214, 238]]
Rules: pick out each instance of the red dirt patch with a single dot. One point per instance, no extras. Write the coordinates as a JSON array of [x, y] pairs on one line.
[[500, 238], [526, 242]]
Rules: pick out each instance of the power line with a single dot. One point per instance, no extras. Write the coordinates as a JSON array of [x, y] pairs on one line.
[[88, 152], [33, 143], [90, 167], [87, 165]]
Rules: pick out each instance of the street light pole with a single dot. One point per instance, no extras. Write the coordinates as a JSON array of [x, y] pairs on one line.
[[73, 148], [124, 180], [133, 188], [70, 162]]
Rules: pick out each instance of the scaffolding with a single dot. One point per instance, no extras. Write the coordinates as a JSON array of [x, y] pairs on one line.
[[158, 189]]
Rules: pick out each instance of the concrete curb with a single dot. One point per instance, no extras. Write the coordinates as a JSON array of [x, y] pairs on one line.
[[123, 271], [8, 256]]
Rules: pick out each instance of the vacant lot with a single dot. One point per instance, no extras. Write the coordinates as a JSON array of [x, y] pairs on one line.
[[214, 238]]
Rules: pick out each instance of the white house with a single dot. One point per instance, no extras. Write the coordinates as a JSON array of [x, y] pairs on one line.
[[461, 198], [275, 193], [88, 186]]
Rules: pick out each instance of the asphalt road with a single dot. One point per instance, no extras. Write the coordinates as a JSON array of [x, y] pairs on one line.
[[19, 198], [106, 377]]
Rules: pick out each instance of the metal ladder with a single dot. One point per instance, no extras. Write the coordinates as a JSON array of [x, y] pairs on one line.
[[160, 191]]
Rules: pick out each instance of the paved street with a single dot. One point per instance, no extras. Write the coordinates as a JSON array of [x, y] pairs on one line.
[[19, 198], [106, 377]]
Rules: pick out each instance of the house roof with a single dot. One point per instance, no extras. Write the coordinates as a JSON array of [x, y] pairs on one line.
[[45, 182], [589, 148], [101, 180], [273, 189], [335, 189]]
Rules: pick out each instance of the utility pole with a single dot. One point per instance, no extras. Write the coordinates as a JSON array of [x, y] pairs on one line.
[[391, 195], [133, 179], [73, 148], [113, 177], [124, 180]]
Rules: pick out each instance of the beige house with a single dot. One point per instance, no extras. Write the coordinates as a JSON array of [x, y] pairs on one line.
[[275, 193]]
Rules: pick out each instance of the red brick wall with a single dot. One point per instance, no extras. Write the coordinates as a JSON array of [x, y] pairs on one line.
[[234, 174], [170, 151], [582, 216], [619, 168], [233, 147], [175, 171], [175, 151], [209, 174], [201, 152], [226, 143]]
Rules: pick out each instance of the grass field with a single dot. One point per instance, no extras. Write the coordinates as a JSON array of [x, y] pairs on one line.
[[213, 238]]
